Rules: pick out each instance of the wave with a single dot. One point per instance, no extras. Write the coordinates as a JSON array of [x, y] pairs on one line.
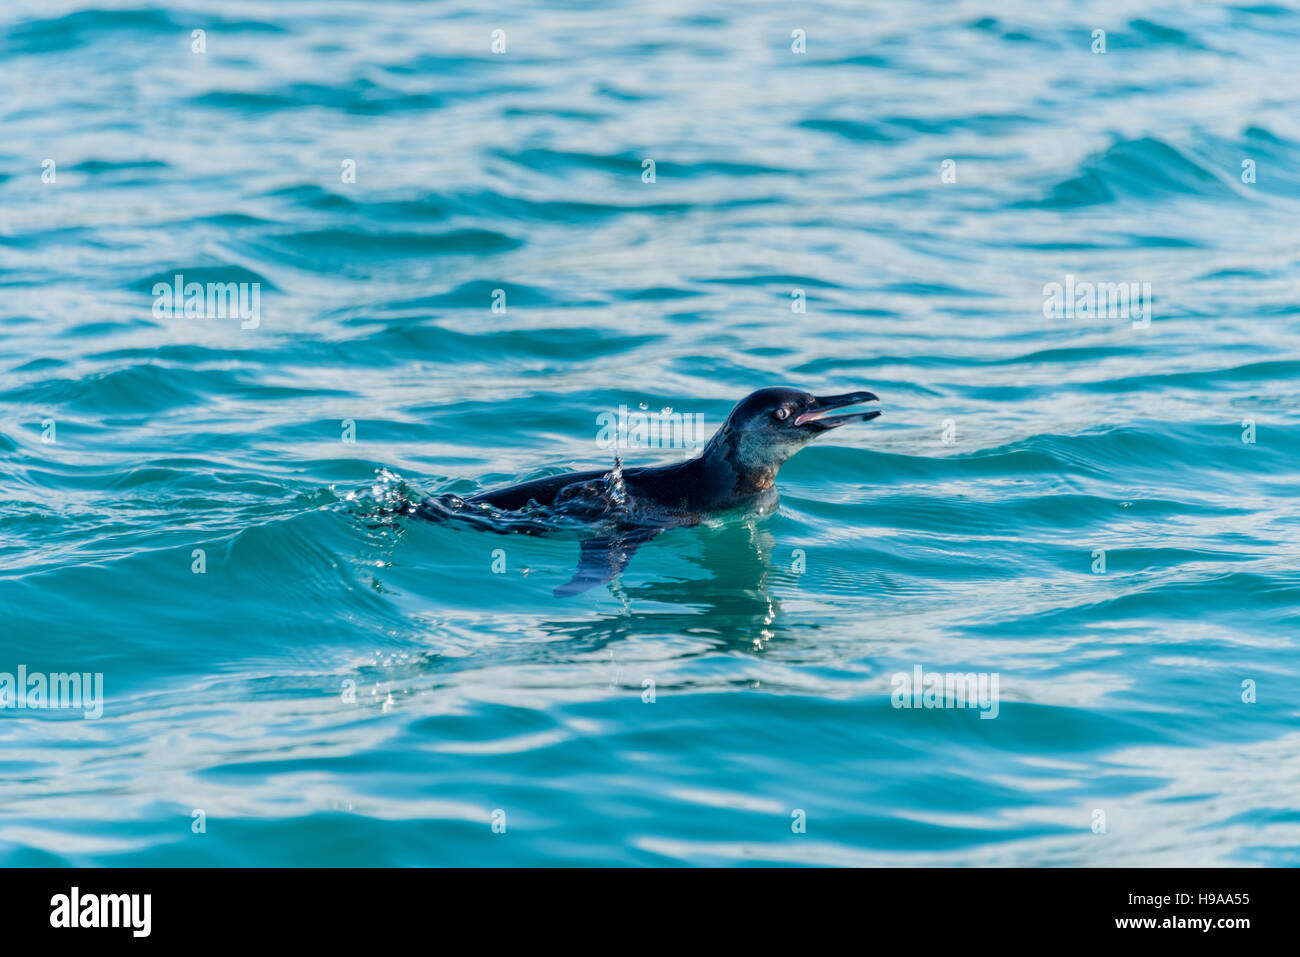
[[1144, 168]]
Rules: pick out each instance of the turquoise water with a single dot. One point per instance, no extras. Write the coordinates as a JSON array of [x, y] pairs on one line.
[[181, 509]]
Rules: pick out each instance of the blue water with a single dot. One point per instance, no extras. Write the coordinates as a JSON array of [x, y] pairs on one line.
[[337, 687]]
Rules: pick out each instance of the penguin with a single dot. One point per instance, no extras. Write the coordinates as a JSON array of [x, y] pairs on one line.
[[735, 472]]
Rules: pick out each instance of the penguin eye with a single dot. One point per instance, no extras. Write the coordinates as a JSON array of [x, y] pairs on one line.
[[782, 414]]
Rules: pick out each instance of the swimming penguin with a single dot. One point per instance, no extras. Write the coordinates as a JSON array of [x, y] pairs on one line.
[[736, 471]]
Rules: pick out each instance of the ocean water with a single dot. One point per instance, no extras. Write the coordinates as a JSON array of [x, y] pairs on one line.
[[1096, 510]]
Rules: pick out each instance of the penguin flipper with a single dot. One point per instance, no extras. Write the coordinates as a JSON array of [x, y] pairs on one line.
[[603, 558]]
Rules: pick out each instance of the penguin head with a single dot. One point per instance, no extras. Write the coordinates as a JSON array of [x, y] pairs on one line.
[[770, 425]]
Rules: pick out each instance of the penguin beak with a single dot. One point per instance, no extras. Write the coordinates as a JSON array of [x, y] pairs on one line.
[[816, 417]]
